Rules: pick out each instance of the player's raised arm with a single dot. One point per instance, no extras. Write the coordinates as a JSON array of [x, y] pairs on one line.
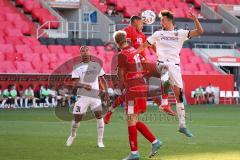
[[199, 30]]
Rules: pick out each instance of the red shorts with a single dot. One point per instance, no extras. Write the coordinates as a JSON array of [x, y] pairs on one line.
[[136, 96], [136, 106]]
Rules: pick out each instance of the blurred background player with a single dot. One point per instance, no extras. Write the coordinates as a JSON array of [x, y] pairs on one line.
[[210, 94], [14, 94], [1, 94], [20, 97], [8, 97], [130, 73], [169, 42], [44, 95], [29, 97], [86, 76], [64, 96], [199, 95]]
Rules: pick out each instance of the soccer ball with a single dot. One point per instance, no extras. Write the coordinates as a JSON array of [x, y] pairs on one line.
[[148, 17]]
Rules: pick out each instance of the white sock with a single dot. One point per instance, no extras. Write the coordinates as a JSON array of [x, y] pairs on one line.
[[74, 128], [164, 102], [134, 152], [155, 141], [181, 115], [100, 128]]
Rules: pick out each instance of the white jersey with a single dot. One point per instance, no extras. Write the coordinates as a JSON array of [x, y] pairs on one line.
[[88, 73], [169, 44], [210, 89]]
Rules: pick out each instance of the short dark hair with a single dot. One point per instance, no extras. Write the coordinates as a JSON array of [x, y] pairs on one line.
[[167, 13], [133, 18], [83, 47]]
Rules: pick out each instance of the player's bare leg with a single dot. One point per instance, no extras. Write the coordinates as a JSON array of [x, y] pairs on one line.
[[100, 128], [163, 103], [75, 125], [165, 85], [181, 112]]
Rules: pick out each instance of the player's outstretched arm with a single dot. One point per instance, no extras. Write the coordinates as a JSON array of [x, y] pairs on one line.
[[199, 30], [104, 85]]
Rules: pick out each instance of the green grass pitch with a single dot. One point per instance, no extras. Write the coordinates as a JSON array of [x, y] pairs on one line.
[[37, 134]]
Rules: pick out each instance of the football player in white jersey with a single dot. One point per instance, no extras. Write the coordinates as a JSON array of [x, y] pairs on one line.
[[86, 76], [169, 42]]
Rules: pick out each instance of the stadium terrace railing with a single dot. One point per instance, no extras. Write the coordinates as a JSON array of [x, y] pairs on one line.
[[68, 28], [231, 18], [209, 12], [220, 46]]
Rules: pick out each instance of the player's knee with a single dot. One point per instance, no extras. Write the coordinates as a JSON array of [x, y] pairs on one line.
[[132, 120], [78, 118], [180, 97], [98, 114]]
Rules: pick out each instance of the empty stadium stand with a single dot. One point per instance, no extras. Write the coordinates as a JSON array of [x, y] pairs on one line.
[[197, 3], [38, 12], [128, 8]]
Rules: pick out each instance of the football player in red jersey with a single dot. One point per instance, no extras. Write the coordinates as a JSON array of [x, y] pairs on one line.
[[136, 37], [131, 74]]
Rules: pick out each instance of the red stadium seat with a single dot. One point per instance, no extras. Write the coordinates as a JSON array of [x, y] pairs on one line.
[[50, 57], [2, 40], [5, 25], [20, 2], [32, 57], [25, 27], [196, 59], [28, 6], [23, 66], [8, 67], [2, 57], [40, 66], [2, 18], [213, 72], [13, 32], [40, 49], [129, 8], [56, 49], [13, 57], [64, 57], [7, 48], [11, 17], [187, 73], [23, 49], [14, 40], [30, 41], [72, 49]]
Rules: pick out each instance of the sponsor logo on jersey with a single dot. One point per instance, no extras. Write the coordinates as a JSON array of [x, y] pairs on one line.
[[170, 38]]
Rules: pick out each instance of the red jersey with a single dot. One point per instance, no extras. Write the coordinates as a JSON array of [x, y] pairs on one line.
[[137, 38], [129, 62], [134, 82]]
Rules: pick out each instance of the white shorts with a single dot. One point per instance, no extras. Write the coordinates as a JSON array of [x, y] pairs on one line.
[[83, 103], [174, 73]]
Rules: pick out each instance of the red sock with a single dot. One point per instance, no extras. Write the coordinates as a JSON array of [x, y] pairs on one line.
[[132, 135], [145, 131], [157, 101], [164, 96]]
